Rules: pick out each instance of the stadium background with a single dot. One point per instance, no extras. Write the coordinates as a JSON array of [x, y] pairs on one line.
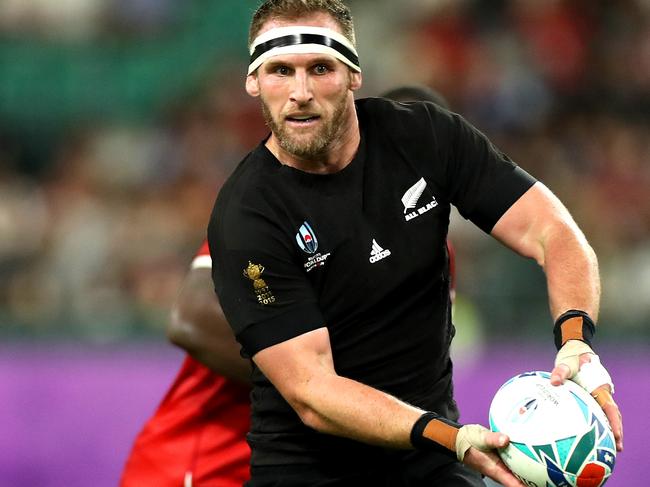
[[119, 120]]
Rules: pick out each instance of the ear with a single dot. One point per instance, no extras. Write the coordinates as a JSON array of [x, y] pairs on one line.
[[356, 80], [252, 85]]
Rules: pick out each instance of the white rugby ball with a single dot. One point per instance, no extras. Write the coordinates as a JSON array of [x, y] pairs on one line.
[[559, 435]]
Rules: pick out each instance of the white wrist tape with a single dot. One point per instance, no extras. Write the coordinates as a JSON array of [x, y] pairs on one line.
[[471, 435], [593, 375]]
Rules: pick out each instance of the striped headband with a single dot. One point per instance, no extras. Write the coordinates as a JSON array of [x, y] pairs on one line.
[[302, 40]]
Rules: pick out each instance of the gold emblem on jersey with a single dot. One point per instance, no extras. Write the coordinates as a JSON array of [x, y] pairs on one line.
[[262, 291]]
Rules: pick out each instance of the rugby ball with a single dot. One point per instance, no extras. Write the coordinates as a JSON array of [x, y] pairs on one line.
[[559, 435]]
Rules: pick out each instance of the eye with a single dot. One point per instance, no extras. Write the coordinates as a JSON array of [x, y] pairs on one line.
[[321, 69], [282, 70]]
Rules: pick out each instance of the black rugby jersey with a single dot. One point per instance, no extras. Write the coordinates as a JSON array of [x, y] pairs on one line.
[[361, 251]]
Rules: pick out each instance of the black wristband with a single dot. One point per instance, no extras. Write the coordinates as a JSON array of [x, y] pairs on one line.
[[421, 442], [417, 438], [584, 332]]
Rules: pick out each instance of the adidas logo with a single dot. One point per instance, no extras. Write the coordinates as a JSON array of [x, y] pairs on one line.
[[377, 253]]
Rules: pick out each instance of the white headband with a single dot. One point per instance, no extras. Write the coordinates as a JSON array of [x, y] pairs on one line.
[[300, 40]]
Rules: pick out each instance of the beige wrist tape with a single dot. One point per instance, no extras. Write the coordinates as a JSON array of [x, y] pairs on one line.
[[569, 355], [471, 435], [592, 374]]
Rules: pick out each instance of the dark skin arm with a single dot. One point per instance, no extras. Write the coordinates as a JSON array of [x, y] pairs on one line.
[[199, 327]]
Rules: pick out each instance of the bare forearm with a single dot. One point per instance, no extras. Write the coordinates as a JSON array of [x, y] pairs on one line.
[[539, 226], [302, 370], [198, 326], [217, 351], [572, 275], [344, 407], [236, 369], [220, 356]]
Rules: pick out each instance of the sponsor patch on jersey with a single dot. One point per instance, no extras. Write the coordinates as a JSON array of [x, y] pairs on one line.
[[262, 291], [306, 238], [413, 208], [377, 253]]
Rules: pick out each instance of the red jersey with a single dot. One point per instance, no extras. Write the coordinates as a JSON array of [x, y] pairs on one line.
[[197, 436]]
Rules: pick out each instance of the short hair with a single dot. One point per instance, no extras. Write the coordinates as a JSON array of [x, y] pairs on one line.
[[292, 9], [416, 93]]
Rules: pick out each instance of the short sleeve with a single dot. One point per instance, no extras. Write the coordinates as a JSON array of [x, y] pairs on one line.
[[265, 295], [481, 181]]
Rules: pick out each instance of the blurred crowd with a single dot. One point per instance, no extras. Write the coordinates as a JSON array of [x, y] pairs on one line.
[[70, 20], [98, 243], [95, 240]]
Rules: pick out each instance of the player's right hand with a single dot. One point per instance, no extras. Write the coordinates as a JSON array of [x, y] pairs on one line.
[[476, 447]]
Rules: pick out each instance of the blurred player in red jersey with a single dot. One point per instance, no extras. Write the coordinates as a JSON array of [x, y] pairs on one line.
[[197, 436]]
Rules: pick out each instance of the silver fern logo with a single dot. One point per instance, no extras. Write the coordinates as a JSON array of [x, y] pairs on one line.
[[411, 198], [412, 195]]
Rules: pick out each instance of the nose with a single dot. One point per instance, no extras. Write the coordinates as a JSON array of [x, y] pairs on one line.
[[301, 92]]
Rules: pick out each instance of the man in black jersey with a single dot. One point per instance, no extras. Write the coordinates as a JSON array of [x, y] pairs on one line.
[[329, 258]]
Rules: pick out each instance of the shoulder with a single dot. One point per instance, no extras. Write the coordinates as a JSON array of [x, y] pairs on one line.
[[403, 112], [247, 204], [406, 121], [420, 130], [248, 184], [246, 174]]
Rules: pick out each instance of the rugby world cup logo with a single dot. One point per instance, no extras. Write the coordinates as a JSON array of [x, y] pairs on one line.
[[306, 238]]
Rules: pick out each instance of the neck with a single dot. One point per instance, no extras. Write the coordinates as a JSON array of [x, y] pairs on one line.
[[335, 157]]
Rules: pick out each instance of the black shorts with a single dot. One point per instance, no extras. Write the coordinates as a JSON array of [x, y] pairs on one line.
[[405, 469]]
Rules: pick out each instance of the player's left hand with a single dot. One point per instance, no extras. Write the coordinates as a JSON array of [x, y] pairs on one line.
[[578, 362], [477, 446]]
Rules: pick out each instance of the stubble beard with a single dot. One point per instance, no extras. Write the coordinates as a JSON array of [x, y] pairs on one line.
[[319, 143]]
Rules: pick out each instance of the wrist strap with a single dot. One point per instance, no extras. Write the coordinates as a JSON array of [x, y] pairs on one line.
[[433, 432], [573, 325]]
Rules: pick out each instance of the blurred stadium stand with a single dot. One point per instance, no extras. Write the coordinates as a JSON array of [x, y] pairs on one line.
[[131, 68], [120, 119]]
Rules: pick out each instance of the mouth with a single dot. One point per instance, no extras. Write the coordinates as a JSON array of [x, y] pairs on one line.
[[302, 119]]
